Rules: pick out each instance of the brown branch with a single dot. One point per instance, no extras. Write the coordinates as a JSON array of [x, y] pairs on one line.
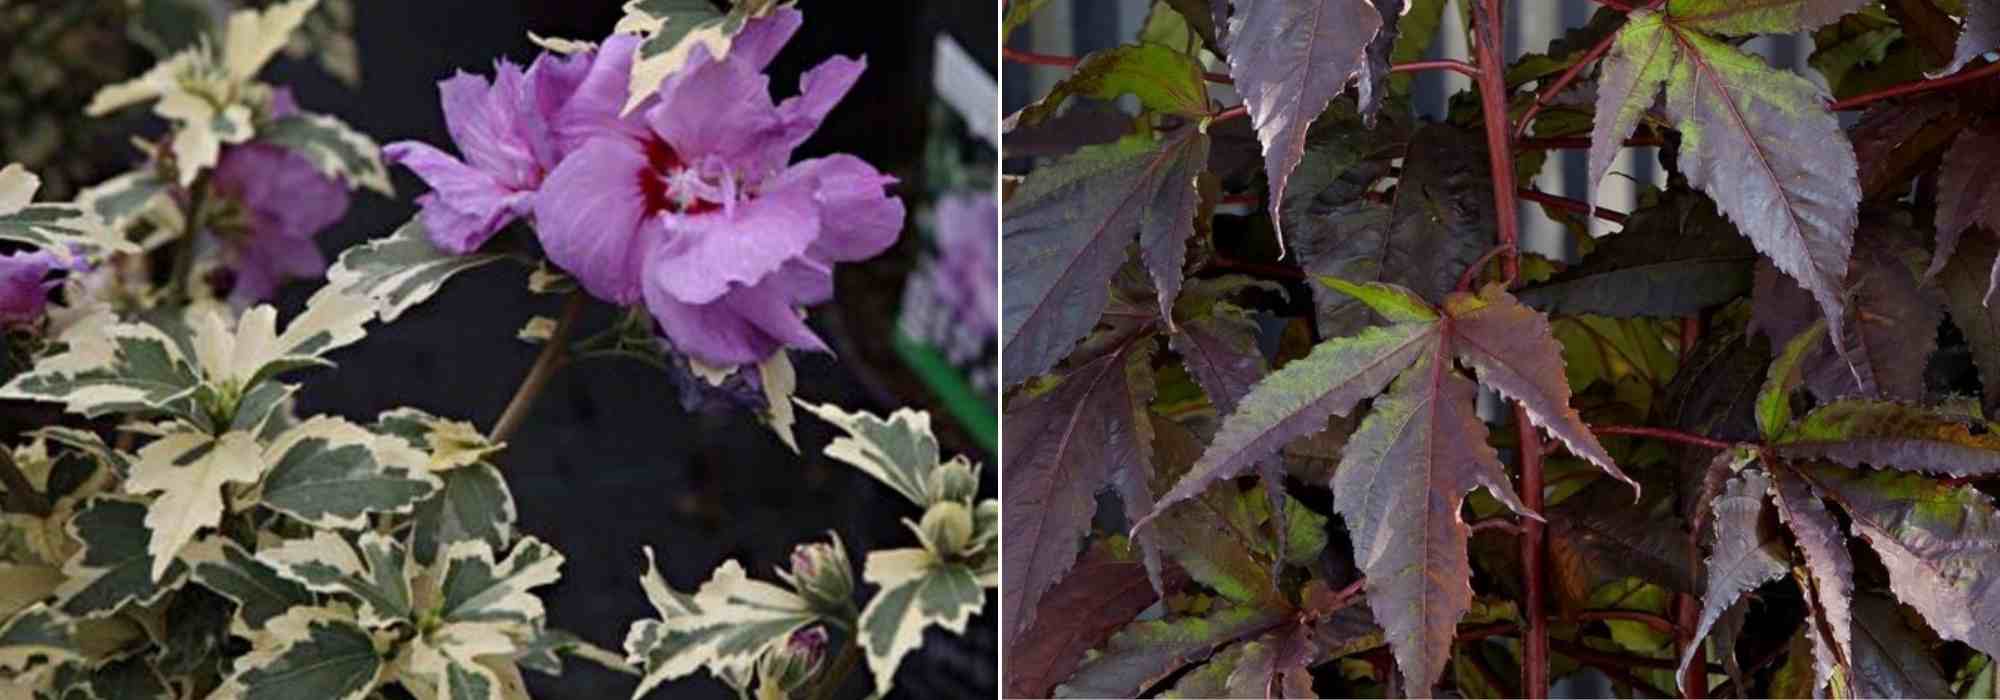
[[538, 376]]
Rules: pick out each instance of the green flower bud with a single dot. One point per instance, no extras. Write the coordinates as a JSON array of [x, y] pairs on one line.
[[821, 573], [947, 528], [953, 481], [789, 667]]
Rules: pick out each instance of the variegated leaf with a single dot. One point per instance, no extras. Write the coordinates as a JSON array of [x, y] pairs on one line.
[[330, 473], [113, 369], [253, 351], [334, 148], [123, 199], [400, 271], [375, 571], [725, 626], [251, 37], [475, 587], [673, 28], [900, 451], [918, 591], [36, 634], [189, 470], [309, 652], [114, 566], [259, 592], [473, 504]]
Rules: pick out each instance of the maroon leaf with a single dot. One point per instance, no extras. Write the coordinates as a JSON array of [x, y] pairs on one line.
[[1063, 443], [1894, 436], [1891, 326], [1936, 540], [1738, 17], [1217, 341], [1893, 139], [1747, 553], [1965, 281], [1066, 230], [1402, 480], [1289, 58], [1105, 590], [1889, 659], [1143, 653], [1981, 33], [1832, 586], [1968, 193]]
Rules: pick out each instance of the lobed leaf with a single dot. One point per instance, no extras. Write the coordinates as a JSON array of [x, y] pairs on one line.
[[725, 626], [1680, 252], [476, 588], [35, 633], [1289, 59], [1759, 16], [1889, 658], [1162, 78], [1066, 229], [1967, 196], [1745, 554], [917, 592], [1894, 436], [1936, 540], [1104, 591], [900, 452], [1831, 591], [122, 368], [259, 592], [1402, 479]]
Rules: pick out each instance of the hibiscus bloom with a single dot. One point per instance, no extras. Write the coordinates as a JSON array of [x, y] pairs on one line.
[[506, 131], [692, 205], [268, 203], [24, 286]]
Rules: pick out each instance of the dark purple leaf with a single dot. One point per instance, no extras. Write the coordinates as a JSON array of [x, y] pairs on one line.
[[1937, 541], [1672, 259], [1894, 139], [1289, 58], [1066, 230], [1891, 326], [1890, 659], [1086, 123], [1831, 592], [1144, 653], [1105, 590], [1747, 552], [1402, 480], [1968, 193], [1981, 33], [1965, 281], [1894, 436], [1597, 536]]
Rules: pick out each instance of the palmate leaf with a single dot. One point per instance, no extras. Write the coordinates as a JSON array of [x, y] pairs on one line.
[[1289, 59], [1065, 439], [1831, 590], [1965, 279], [1890, 660], [1105, 590], [1680, 251], [1759, 140], [1145, 652], [1936, 540], [1893, 436], [1066, 230], [477, 586], [1981, 34], [400, 271], [1967, 195], [1746, 554]]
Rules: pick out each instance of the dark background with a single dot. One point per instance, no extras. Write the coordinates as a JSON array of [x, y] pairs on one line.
[[608, 461]]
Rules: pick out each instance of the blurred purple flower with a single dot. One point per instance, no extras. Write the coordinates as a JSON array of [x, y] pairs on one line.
[[271, 203], [968, 240], [24, 287], [506, 131], [691, 204]]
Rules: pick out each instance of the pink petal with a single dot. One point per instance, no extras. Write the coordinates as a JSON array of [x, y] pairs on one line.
[[761, 39], [720, 110], [705, 254], [594, 108], [466, 206], [482, 121], [820, 89], [591, 218], [860, 219]]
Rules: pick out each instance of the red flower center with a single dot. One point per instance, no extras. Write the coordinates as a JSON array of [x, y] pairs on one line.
[[657, 182]]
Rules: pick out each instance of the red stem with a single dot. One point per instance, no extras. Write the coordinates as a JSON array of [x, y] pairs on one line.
[[1650, 620], [1548, 143], [1563, 81], [1228, 114], [1461, 67], [1964, 76], [1694, 682], [1471, 271], [1667, 434], [1578, 206]]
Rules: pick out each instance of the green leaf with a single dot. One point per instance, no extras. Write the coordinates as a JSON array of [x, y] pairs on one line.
[[1680, 252], [1396, 304], [1019, 13], [334, 148], [1162, 78], [400, 271], [1760, 17], [329, 473], [1935, 539], [1759, 140], [1402, 480], [1745, 554], [1894, 436], [113, 568], [917, 592], [1066, 229], [310, 652], [1774, 401], [259, 592]]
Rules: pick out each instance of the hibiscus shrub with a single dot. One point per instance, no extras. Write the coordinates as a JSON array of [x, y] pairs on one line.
[[1359, 441], [176, 530]]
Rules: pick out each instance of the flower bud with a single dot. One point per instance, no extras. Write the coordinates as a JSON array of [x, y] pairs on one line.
[[821, 573], [953, 481], [947, 528], [787, 668]]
